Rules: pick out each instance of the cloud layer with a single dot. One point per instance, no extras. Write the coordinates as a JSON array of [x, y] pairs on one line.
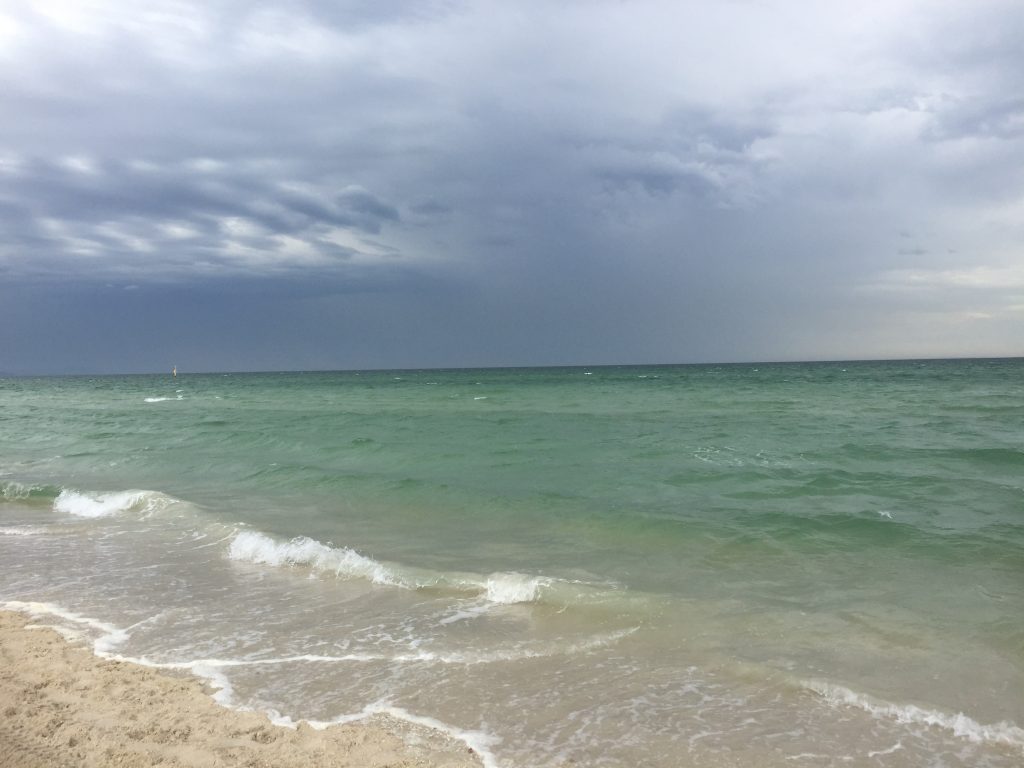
[[456, 183]]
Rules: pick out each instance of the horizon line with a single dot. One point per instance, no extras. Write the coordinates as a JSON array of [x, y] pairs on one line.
[[11, 375]]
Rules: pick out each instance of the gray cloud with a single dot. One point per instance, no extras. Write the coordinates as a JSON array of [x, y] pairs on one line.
[[115, 215], [517, 182]]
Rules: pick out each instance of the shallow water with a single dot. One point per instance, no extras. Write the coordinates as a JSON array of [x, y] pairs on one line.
[[773, 564]]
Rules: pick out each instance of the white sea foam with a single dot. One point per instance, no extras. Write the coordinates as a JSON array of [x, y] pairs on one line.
[[223, 693], [960, 725], [83, 504], [480, 742], [20, 531], [879, 752], [256, 547], [156, 399], [496, 589], [214, 670], [510, 588], [464, 612], [211, 671], [78, 628], [515, 652], [109, 638]]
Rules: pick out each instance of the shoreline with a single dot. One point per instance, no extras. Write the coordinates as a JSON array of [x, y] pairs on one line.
[[61, 705]]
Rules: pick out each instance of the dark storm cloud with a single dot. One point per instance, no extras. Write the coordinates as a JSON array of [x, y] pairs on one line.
[[459, 183], [162, 217]]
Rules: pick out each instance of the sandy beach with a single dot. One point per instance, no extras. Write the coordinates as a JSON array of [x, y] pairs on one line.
[[62, 706]]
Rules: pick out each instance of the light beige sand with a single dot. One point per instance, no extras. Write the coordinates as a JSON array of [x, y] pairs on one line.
[[62, 706]]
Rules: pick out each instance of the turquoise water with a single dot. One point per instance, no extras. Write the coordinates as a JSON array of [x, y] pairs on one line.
[[792, 564]]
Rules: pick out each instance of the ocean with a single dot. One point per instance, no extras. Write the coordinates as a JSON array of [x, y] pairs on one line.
[[800, 564]]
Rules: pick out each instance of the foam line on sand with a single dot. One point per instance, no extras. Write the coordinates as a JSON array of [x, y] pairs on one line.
[[62, 705]]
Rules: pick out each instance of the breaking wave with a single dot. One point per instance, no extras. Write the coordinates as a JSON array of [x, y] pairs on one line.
[[83, 504], [255, 547], [14, 491], [962, 726], [496, 589], [511, 588]]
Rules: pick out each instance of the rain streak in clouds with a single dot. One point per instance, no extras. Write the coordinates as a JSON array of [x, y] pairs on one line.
[[314, 184]]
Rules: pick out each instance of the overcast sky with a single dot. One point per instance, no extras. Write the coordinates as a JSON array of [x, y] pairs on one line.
[[315, 184]]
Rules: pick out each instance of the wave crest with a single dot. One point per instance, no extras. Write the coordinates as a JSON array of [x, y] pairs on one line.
[[93, 505], [255, 547], [509, 588], [14, 491], [960, 725]]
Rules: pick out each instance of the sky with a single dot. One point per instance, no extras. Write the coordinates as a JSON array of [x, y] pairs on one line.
[[330, 184]]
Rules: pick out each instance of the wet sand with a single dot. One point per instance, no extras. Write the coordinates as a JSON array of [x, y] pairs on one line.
[[62, 706]]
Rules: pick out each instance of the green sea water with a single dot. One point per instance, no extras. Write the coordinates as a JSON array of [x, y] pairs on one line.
[[757, 564]]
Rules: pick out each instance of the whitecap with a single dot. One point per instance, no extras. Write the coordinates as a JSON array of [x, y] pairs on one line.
[[83, 504], [510, 588], [256, 547], [496, 589]]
